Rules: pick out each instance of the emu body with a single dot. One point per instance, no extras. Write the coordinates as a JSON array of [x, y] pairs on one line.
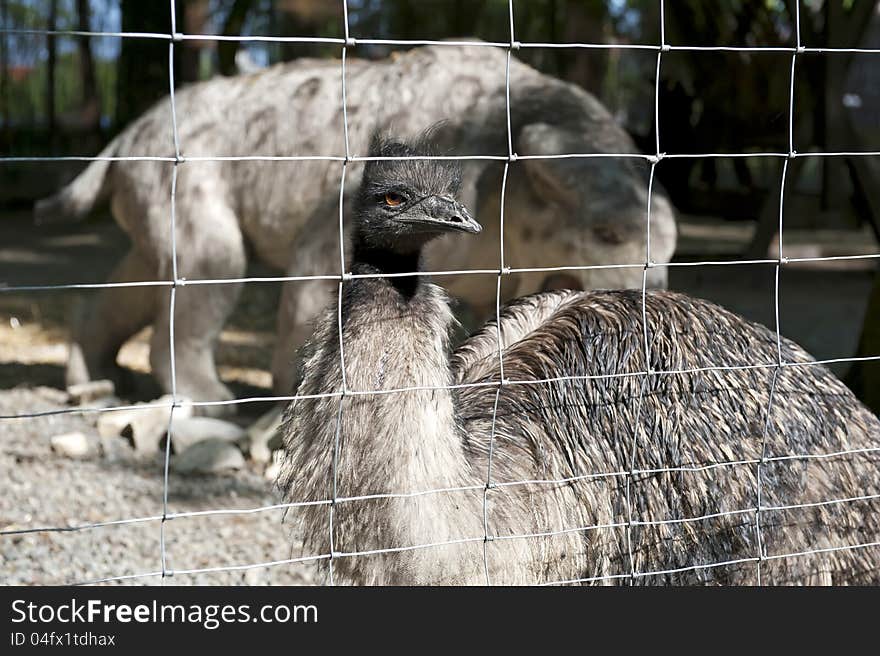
[[601, 472]]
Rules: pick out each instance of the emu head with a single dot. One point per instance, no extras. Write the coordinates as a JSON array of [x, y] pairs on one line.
[[402, 204]]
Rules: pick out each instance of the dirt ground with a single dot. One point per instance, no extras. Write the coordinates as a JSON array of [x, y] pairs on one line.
[[821, 307]]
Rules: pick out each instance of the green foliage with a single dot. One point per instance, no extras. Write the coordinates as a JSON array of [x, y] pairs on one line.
[[28, 95]]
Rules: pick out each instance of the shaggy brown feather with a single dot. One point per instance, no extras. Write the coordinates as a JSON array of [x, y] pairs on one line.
[[619, 466]]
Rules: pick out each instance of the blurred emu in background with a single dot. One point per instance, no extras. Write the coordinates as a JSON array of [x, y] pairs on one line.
[[571, 211]]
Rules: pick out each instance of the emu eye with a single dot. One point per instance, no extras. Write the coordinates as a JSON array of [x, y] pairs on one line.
[[392, 199]]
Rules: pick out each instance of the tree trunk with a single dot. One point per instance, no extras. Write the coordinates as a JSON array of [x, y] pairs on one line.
[[6, 140], [833, 192], [291, 24], [143, 63], [232, 27], [826, 75], [586, 21], [310, 18], [195, 19], [91, 102], [842, 30], [51, 61]]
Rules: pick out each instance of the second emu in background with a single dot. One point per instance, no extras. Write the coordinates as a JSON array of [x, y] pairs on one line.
[[571, 211]]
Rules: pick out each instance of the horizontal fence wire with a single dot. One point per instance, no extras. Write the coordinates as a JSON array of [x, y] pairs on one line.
[[594, 579], [183, 282], [348, 42], [495, 484], [491, 158], [423, 388], [354, 41]]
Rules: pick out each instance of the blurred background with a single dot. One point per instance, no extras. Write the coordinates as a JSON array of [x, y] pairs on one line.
[[69, 95]]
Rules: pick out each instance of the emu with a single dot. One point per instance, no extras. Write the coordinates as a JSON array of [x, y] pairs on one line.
[[588, 210], [705, 469]]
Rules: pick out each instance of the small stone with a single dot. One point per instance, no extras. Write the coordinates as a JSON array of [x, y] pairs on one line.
[[191, 430], [95, 408], [51, 394], [273, 468], [276, 442], [82, 393], [208, 457], [263, 432], [145, 425], [71, 445], [257, 576], [115, 450]]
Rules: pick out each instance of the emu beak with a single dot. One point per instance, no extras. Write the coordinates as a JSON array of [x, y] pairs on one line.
[[446, 214]]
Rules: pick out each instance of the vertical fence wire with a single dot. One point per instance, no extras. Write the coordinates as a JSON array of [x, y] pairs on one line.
[[502, 271], [343, 275], [777, 268], [648, 373], [172, 303]]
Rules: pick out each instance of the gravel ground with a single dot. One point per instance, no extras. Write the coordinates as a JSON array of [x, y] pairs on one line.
[[821, 307], [45, 489]]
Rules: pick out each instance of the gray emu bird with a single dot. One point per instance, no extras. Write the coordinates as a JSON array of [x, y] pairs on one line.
[[708, 470]]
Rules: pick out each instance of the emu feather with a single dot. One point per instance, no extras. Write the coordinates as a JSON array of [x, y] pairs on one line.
[[600, 472]]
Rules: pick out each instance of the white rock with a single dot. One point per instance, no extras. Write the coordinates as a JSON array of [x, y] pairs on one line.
[[145, 424], [71, 445], [209, 457], [86, 392], [192, 430], [263, 432], [97, 407], [258, 576], [274, 468], [115, 450]]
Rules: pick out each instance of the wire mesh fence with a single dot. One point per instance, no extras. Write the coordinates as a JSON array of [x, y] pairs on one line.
[[759, 511]]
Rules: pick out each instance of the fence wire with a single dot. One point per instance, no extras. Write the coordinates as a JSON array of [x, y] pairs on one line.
[[759, 510]]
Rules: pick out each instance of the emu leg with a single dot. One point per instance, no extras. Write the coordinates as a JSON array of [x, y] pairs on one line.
[[109, 319], [200, 310]]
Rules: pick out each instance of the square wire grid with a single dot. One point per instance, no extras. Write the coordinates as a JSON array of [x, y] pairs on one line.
[[628, 474]]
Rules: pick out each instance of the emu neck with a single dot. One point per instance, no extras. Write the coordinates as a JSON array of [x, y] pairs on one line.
[[404, 439], [395, 328], [395, 334], [376, 260]]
